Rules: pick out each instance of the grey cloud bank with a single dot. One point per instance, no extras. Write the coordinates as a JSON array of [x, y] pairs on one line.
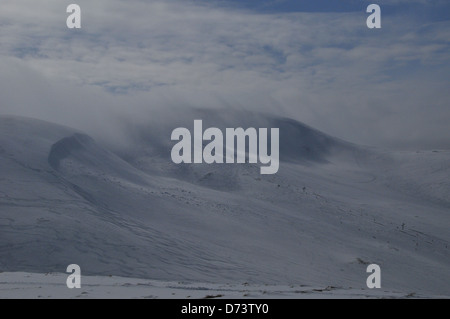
[[136, 59]]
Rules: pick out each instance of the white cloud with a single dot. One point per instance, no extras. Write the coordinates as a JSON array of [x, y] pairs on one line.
[[327, 70]]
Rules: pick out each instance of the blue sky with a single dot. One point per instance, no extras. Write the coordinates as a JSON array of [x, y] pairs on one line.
[[420, 10], [296, 5], [434, 8], [314, 61]]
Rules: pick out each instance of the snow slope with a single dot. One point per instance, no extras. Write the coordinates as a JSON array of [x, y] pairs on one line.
[[126, 210]]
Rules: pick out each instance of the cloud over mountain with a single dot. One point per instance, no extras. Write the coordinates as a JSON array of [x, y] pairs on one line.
[[385, 87]]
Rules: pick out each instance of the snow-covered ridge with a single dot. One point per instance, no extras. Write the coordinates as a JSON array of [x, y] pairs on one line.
[[128, 211]]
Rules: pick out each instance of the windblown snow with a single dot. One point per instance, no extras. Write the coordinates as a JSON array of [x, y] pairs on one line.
[[332, 209]]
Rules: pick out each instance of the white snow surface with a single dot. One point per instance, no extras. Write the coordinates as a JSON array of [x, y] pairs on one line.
[[53, 286], [332, 209]]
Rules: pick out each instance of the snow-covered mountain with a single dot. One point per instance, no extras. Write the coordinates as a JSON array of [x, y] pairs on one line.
[[127, 210]]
